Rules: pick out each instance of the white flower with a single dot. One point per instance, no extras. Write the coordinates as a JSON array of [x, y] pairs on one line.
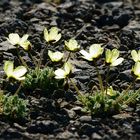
[[111, 91], [63, 73], [17, 73], [136, 70], [72, 45], [112, 57], [135, 55], [15, 39], [55, 56], [95, 51], [53, 35]]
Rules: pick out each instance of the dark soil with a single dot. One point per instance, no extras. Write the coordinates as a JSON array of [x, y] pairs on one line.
[[114, 23]]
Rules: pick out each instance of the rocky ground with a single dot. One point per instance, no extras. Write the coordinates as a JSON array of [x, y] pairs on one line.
[[114, 23]]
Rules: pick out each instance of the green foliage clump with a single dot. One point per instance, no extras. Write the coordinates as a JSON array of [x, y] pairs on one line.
[[13, 106], [40, 78], [98, 104], [105, 105]]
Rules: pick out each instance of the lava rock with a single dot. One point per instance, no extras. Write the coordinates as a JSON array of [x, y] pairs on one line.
[[44, 127], [88, 129]]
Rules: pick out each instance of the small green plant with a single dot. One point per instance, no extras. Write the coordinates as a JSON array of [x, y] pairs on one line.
[[108, 100], [40, 78], [97, 105], [13, 106]]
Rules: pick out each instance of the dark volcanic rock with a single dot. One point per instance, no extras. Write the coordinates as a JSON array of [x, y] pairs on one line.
[[45, 127], [58, 114]]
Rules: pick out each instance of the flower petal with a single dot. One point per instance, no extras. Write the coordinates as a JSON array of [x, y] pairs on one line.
[[108, 55], [117, 62], [95, 50], [134, 55], [138, 55], [110, 91], [20, 78], [25, 45], [8, 68], [46, 35], [53, 34], [57, 38], [72, 45], [19, 72], [115, 55], [14, 38], [136, 69], [24, 38], [50, 54], [86, 55], [60, 74], [67, 68], [55, 56]]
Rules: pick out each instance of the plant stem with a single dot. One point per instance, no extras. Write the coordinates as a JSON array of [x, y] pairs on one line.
[[68, 57], [81, 30], [41, 56], [134, 95], [132, 98], [120, 98], [99, 78], [107, 76], [82, 97], [21, 59], [19, 88], [30, 55], [75, 87], [134, 82]]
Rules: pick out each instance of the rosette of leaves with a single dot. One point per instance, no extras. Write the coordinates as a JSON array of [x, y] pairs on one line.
[[13, 106], [112, 103], [97, 105], [42, 79]]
